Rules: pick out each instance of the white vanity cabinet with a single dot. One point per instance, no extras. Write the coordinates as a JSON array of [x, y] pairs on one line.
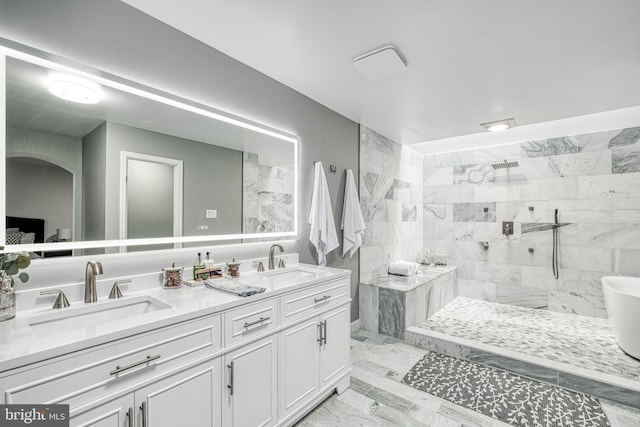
[[263, 361], [189, 397], [314, 353]]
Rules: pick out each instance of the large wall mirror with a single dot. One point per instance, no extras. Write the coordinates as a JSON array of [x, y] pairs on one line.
[[134, 168]]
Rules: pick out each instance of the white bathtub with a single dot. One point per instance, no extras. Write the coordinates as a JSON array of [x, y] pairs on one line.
[[622, 299]]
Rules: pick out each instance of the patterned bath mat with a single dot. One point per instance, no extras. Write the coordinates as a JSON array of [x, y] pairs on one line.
[[507, 397]]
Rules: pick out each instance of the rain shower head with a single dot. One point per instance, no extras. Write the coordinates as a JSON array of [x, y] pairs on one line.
[[505, 165]]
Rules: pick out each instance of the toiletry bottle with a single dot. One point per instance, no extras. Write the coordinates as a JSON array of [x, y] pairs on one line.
[[197, 266], [209, 261]]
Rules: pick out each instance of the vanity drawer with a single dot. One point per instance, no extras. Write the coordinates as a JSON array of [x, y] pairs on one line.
[[87, 375], [249, 321], [308, 301]]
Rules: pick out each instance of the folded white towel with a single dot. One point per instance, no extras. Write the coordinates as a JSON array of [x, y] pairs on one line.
[[323, 234], [404, 268], [352, 222]]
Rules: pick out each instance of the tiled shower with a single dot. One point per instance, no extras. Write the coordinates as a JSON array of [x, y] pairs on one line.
[[453, 205]]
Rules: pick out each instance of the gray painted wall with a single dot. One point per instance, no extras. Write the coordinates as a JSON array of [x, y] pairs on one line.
[[94, 149], [111, 36], [48, 186], [61, 150], [212, 178]]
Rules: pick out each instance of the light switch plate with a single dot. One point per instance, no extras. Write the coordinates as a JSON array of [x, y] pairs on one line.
[[211, 213]]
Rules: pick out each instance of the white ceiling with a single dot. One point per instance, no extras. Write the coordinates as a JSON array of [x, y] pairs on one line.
[[469, 61]]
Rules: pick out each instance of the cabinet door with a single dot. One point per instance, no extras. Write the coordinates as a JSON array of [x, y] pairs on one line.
[[252, 384], [191, 397], [299, 365], [334, 352], [110, 414]]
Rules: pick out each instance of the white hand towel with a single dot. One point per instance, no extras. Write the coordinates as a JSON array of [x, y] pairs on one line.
[[323, 234], [404, 268], [352, 221]]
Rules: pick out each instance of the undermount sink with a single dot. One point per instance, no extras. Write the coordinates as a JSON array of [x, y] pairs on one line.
[[93, 315], [294, 273]]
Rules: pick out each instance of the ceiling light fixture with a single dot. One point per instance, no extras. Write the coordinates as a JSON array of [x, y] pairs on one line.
[[499, 125], [74, 89], [380, 63]]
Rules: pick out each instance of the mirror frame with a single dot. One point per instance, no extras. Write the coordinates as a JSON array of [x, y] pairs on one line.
[[15, 50]]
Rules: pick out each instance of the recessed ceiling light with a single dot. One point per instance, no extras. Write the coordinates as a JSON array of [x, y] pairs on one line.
[[74, 89], [499, 125], [380, 63]]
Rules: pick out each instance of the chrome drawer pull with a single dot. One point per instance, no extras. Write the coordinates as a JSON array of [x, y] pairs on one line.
[[230, 385], [143, 409], [133, 365], [324, 298], [130, 417], [260, 320]]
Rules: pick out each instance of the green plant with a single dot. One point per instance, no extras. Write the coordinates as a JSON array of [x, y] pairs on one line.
[[11, 263]]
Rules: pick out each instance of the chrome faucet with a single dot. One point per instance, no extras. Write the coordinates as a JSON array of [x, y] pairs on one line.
[[93, 269], [272, 263]]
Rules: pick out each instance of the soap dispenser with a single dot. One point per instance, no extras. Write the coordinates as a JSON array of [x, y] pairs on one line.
[[197, 267]]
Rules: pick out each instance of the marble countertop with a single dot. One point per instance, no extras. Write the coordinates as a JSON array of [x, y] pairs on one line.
[[406, 283], [20, 345]]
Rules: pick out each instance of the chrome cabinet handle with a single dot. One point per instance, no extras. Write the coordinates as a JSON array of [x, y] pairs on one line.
[[324, 335], [130, 417], [143, 408], [230, 385], [260, 320], [133, 365], [324, 298], [320, 333]]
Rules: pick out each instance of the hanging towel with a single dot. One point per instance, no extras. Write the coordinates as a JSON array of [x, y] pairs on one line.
[[323, 229], [352, 222]]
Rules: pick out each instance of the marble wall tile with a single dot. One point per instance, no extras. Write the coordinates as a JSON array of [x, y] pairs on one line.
[[437, 212], [453, 159], [373, 209], [597, 141], [370, 139], [411, 211], [626, 159], [496, 192], [477, 290], [624, 210], [410, 156], [449, 194], [497, 154], [578, 164], [622, 236], [368, 303], [625, 137], [609, 186], [584, 305], [504, 274], [590, 282], [440, 176], [474, 174], [520, 212], [585, 258], [514, 252], [542, 277], [625, 261], [442, 291], [378, 233], [474, 212], [550, 147], [375, 161], [552, 189], [391, 311], [411, 173], [374, 185], [522, 296], [371, 262]]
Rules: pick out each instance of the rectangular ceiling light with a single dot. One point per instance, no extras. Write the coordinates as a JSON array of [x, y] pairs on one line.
[[380, 63]]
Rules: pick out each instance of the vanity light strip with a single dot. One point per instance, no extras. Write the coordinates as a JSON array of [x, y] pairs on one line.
[[145, 94]]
